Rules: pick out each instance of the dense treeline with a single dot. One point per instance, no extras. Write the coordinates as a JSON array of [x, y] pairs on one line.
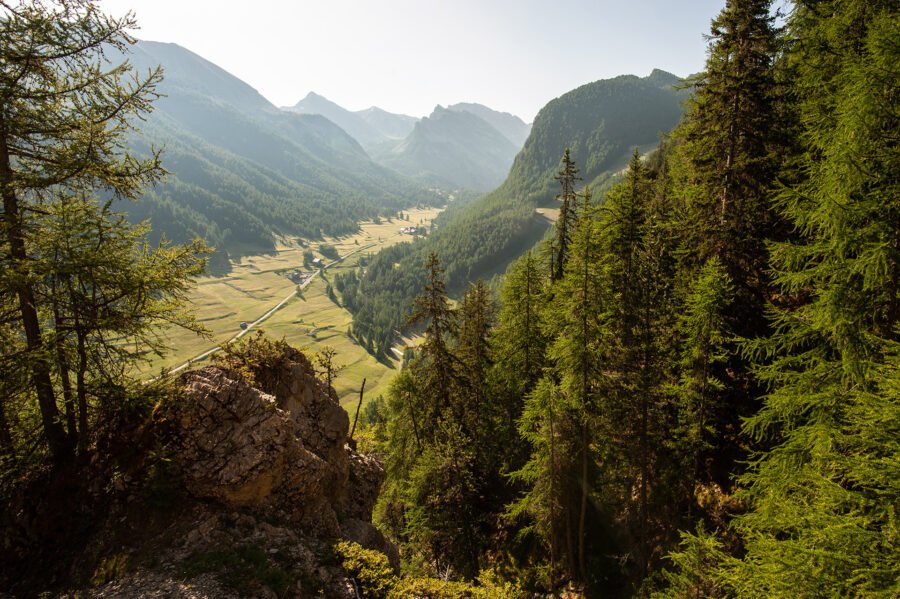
[[600, 122], [692, 389], [378, 292]]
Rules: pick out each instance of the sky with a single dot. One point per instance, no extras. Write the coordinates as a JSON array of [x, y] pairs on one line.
[[408, 56]]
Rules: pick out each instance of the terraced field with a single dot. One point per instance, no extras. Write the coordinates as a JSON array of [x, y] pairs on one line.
[[309, 321]]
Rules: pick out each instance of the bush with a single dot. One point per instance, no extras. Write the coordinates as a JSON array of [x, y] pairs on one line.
[[370, 569], [375, 579], [255, 358]]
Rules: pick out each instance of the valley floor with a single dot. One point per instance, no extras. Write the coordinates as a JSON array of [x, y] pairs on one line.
[[311, 321]]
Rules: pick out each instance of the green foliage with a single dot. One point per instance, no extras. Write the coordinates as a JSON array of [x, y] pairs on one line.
[[824, 497], [375, 579], [705, 342], [329, 251], [519, 339], [90, 289], [600, 122], [370, 569], [243, 569], [434, 588], [694, 568], [255, 357]]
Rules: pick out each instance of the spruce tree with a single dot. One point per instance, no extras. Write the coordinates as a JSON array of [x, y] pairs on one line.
[[565, 222], [732, 138]]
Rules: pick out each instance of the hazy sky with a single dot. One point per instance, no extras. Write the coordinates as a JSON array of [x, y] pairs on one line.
[[409, 55]]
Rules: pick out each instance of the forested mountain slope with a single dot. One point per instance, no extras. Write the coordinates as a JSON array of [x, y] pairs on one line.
[[453, 149], [601, 122], [693, 389], [241, 169]]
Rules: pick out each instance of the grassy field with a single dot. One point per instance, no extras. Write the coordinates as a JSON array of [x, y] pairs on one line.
[[258, 283]]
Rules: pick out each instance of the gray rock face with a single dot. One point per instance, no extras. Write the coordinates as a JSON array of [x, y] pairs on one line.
[[280, 450]]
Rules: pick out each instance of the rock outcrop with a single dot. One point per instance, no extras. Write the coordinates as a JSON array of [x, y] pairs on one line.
[[238, 483], [279, 450]]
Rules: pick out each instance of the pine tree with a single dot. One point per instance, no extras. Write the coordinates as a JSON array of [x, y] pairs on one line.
[[565, 222]]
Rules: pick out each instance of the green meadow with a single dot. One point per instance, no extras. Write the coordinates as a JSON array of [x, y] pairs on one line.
[[309, 320]]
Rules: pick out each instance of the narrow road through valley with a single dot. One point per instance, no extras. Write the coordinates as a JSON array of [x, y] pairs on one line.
[[264, 317]]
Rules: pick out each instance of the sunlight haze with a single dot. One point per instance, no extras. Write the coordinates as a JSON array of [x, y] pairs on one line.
[[407, 56]]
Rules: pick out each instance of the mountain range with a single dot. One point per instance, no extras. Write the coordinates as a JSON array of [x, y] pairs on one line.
[[465, 145], [369, 127], [452, 149], [242, 170]]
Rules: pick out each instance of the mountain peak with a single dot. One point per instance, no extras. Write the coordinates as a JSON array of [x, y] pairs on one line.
[[511, 126], [661, 78]]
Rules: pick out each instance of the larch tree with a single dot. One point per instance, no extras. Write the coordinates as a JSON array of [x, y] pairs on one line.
[[823, 501], [820, 502], [438, 366], [519, 335], [65, 112]]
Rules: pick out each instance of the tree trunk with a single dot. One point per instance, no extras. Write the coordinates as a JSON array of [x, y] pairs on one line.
[[554, 553], [5, 435], [62, 362], [729, 158], [582, 517], [81, 389], [59, 444]]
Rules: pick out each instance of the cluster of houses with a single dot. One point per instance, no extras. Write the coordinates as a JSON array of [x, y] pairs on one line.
[[300, 277], [412, 231]]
